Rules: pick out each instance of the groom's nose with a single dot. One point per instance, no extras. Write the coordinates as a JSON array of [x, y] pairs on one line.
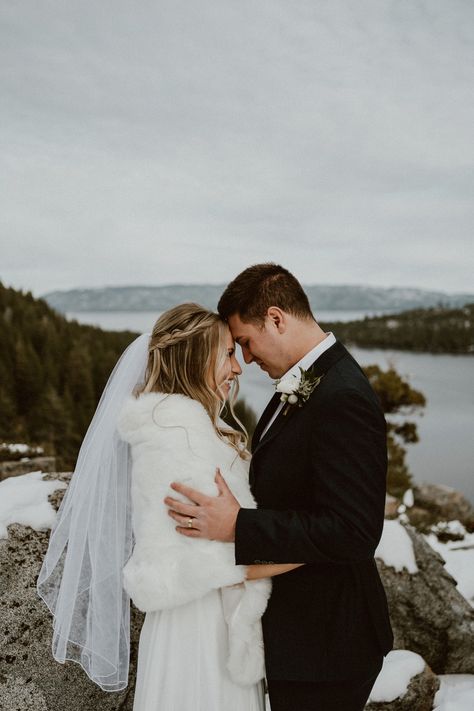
[[248, 357]]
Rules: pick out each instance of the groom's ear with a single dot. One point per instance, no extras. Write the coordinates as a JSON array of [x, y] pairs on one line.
[[277, 317]]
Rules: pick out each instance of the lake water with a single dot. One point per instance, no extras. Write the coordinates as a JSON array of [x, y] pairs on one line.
[[143, 321], [445, 453]]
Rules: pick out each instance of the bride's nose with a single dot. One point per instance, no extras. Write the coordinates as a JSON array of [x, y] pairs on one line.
[[236, 369]]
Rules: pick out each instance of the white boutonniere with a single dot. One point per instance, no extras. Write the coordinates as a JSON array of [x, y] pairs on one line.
[[295, 389]]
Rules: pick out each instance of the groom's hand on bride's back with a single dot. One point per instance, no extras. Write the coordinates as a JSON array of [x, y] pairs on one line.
[[211, 517]]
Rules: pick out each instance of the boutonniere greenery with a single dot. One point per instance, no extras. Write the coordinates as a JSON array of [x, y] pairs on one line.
[[295, 389]]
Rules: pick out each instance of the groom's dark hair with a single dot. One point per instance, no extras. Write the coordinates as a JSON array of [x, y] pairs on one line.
[[260, 286]]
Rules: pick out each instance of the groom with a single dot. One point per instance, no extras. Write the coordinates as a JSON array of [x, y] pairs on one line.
[[318, 474]]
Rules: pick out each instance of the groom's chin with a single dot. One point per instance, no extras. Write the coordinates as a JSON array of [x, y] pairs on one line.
[[273, 374]]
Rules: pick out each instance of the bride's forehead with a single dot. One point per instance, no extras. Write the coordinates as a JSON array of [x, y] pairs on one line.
[[229, 339]]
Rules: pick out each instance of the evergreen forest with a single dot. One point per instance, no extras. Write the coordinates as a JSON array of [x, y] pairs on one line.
[[52, 373], [431, 330]]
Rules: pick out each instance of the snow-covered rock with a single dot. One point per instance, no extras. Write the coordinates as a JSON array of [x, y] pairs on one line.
[[428, 614], [19, 448], [459, 557], [436, 502], [391, 506], [24, 499], [30, 678], [25, 465], [449, 530], [405, 683], [399, 668], [395, 548]]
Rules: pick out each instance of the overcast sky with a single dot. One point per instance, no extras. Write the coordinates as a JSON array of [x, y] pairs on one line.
[[156, 142]]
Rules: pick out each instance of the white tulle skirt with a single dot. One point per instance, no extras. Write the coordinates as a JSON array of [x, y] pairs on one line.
[[182, 662]]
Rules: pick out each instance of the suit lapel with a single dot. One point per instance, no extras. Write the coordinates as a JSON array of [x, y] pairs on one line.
[[320, 367], [274, 429], [267, 415], [328, 359]]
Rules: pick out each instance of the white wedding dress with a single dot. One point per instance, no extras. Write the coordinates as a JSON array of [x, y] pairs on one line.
[[182, 662], [201, 646]]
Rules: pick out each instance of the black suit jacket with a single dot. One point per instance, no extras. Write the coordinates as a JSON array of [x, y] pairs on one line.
[[319, 478]]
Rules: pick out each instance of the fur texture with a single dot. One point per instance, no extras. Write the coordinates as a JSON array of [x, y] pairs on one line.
[[172, 439]]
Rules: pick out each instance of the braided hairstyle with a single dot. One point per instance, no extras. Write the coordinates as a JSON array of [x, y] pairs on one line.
[[187, 349]]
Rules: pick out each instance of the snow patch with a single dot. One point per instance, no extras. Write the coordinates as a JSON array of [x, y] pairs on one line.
[[459, 560], [395, 548], [408, 498], [399, 668], [24, 500], [453, 528], [20, 448], [456, 693]]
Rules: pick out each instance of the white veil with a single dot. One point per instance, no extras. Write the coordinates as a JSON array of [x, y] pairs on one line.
[[81, 576]]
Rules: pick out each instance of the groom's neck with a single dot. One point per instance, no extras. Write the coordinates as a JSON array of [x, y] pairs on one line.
[[305, 337]]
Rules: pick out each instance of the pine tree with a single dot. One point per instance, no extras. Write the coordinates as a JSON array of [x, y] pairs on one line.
[[80, 386], [27, 376], [396, 397]]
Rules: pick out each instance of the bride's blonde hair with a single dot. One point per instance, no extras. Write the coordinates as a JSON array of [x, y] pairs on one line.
[[186, 351]]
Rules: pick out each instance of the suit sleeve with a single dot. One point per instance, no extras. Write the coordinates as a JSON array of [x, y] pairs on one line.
[[343, 523]]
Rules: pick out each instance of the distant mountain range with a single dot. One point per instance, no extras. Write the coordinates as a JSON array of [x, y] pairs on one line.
[[322, 298]]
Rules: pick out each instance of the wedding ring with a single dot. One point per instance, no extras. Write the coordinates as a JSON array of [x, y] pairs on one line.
[[190, 522]]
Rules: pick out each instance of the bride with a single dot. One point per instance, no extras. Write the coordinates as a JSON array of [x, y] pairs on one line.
[[158, 421]]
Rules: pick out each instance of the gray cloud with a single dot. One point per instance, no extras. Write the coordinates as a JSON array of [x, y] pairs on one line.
[[177, 141]]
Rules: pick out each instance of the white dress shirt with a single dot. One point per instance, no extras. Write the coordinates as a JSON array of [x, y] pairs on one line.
[[305, 362]]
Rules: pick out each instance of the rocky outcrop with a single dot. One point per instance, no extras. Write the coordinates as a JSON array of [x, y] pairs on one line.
[[436, 502], [428, 614], [26, 465], [391, 506], [20, 693], [418, 697], [30, 678]]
